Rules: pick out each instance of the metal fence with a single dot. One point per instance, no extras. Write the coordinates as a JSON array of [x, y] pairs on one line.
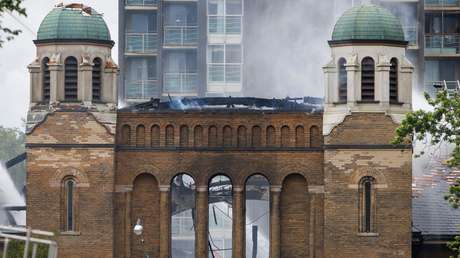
[[180, 36], [225, 24], [442, 3], [142, 89], [180, 82], [31, 239], [442, 44], [141, 2], [230, 73], [142, 43], [452, 87]]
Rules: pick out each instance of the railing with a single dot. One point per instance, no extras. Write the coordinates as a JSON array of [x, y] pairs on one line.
[[411, 34], [452, 87], [442, 3], [142, 89], [225, 24], [180, 35], [230, 73], [149, 3], [141, 43], [180, 82], [30, 240], [442, 44]]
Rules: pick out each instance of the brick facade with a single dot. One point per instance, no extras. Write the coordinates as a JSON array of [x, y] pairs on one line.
[[127, 175]]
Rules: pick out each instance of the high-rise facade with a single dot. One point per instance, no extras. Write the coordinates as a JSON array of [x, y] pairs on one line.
[[180, 48]]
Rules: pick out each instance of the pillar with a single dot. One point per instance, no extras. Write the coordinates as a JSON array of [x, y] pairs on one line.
[[36, 84], [85, 83], [382, 81], [201, 231], [352, 69], [165, 221], [275, 193], [55, 94], [128, 223], [109, 85], [239, 227]]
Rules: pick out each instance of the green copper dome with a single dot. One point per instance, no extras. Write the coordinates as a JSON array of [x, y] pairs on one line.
[[368, 23], [73, 23]]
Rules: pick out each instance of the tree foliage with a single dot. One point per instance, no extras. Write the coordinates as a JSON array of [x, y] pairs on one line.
[[441, 125], [12, 6]]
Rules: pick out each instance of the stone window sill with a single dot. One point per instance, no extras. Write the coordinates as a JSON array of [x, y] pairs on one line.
[[340, 103], [368, 234], [396, 103], [70, 233], [367, 101]]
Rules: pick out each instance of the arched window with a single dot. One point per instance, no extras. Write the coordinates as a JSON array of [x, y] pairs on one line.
[[69, 205], [367, 204], [140, 136], [155, 136], [257, 207], [183, 139], [169, 135], [299, 136], [126, 135], [315, 137], [220, 216], [71, 79], [256, 139], [97, 79], [46, 79], [212, 136], [394, 81], [228, 136], [271, 136], [242, 140], [367, 79], [285, 137], [183, 217], [198, 136], [342, 80]]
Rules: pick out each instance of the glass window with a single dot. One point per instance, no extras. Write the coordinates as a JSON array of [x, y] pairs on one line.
[[180, 15], [216, 54], [216, 7], [141, 22], [69, 205], [234, 7], [233, 54], [257, 217], [183, 217], [141, 68], [220, 217]]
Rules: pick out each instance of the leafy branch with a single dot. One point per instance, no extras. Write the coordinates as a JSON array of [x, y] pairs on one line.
[[10, 6]]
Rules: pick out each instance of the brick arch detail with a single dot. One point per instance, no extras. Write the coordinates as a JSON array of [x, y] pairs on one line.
[[358, 174], [80, 177], [146, 169]]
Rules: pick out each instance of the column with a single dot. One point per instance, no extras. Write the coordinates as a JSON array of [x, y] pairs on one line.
[[239, 228], [55, 93], [36, 84], [382, 81], [353, 87], [275, 192], [201, 230], [109, 84], [165, 221], [85, 83], [128, 223]]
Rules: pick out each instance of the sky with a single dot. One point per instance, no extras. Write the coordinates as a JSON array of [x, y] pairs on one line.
[[17, 54]]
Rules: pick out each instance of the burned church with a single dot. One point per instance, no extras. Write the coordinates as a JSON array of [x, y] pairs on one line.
[[220, 177]]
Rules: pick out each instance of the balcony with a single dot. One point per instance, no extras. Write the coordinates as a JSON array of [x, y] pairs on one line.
[[230, 25], [442, 45], [411, 34], [142, 43], [141, 90], [224, 73], [180, 83], [141, 4], [180, 36], [439, 4]]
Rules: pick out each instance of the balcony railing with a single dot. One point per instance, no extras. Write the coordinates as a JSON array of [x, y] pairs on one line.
[[180, 35], [447, 44], [142, 89], [225, 73], [144, 43], [180, 82], [411, 33], [147, 3], [442, 3], [225, 25]]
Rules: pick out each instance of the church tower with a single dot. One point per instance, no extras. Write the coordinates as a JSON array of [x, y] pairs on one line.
[[367, 180], [71, 131]]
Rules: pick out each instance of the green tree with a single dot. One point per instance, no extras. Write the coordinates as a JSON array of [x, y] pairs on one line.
[[11, 145], [441, 125], [11, 6]]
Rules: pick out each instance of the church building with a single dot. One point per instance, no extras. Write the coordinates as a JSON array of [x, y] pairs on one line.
[[220, 177]]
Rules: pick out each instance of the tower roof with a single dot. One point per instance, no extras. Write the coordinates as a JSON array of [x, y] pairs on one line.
[[368, 23], [74, 22]]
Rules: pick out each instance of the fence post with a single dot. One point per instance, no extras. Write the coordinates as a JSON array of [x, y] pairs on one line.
[[26, 248], [5, 248]]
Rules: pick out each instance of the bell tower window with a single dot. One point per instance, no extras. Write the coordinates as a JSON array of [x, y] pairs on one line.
[[71, 79], [394, 81], [46, 79], [97, 82], [368, 79], [342, 81]]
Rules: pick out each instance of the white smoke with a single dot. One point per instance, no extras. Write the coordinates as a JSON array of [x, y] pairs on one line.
[[9, 196]]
